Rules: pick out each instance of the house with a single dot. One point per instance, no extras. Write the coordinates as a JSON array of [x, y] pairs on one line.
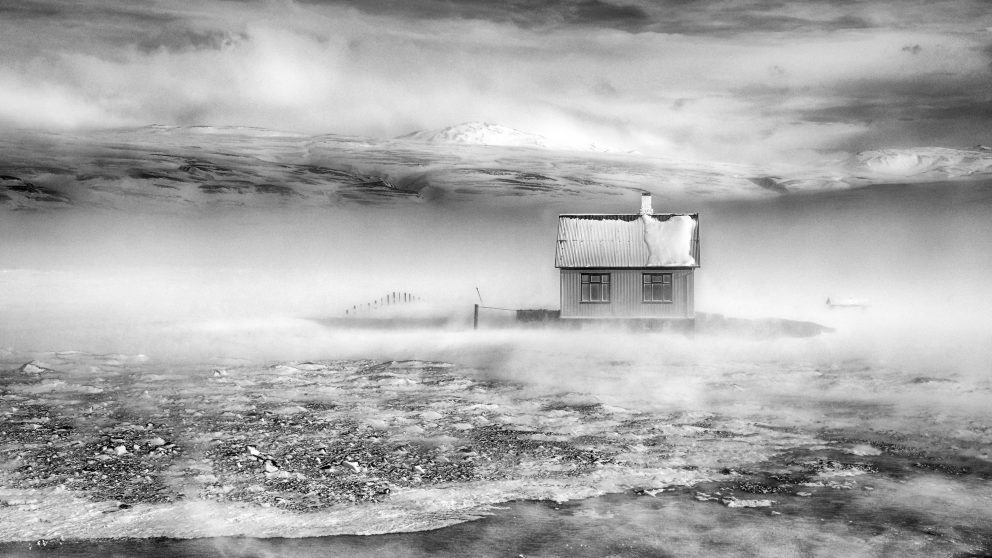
[[628, 266]]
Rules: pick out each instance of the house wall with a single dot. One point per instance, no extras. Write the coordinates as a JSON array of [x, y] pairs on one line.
[[626, 294]]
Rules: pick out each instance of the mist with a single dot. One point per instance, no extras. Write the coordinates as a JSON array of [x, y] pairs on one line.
[[164, 283]]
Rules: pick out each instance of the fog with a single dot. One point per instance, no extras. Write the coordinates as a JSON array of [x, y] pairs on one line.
[[242, 283]]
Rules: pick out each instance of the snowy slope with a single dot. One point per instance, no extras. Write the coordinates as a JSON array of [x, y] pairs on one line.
[[167, 168], [926, 162], [479, 133], [162, 168]]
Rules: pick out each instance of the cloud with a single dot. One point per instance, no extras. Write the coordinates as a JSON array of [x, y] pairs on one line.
[[707, 78], [177, 39], [522, 13]]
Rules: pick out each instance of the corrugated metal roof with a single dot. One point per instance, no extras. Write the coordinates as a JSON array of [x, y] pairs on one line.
[[597, 241]]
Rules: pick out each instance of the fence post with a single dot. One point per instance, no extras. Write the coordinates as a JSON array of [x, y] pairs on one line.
[[475, 318]]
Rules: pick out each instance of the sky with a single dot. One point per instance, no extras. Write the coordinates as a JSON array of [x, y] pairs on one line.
[[750, 80]]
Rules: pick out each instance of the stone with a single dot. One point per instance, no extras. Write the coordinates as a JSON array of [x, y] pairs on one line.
[[34, 368], [734, 503]]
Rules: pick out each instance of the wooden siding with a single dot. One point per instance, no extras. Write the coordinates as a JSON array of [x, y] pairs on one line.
[[626, 294]]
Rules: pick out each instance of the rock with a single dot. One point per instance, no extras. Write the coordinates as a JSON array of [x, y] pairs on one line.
[[253, 451], [120, 450], [156, 442], [734, 503], [270, 467], [34, 368], [354, 466]]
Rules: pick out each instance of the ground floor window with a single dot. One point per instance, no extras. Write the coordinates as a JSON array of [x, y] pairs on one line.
[[595, 287], [656, 287]]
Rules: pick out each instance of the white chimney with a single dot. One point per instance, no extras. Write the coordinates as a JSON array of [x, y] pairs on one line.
[[646, 208]]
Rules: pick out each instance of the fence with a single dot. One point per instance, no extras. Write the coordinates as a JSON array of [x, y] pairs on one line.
[[392, 299], [518, 315]]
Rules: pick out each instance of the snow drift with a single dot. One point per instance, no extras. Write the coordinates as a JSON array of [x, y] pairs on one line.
[[669, 242]]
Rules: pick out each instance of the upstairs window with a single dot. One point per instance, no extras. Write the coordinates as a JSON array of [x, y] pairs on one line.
[[595, 287], [656, 287]]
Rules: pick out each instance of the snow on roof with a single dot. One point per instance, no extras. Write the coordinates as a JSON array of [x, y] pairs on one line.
[[641, 241]]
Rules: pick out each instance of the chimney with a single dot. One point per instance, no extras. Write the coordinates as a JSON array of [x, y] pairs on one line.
[[646, 208]]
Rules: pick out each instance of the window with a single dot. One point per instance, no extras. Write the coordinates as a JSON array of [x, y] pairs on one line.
[[657, 287], [595, 287]]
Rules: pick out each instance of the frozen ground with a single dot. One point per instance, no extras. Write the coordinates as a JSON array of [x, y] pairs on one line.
[[113, 445]]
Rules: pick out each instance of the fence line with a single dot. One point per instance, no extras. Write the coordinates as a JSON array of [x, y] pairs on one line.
[[391, 299], [475, 313]]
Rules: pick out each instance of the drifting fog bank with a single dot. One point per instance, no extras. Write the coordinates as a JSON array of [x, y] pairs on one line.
[[107, 281]]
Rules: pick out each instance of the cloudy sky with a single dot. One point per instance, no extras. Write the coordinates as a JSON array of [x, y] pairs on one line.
[[726, 79]]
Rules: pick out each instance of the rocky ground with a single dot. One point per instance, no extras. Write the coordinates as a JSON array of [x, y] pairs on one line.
[[309, 436], [114, 445]]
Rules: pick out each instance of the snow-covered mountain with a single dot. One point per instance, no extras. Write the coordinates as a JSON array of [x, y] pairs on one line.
[[931, 163], [479, 133], [202, 168]]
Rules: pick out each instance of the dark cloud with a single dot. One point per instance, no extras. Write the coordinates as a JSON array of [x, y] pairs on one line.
[[78, 12], [955, 121], [665, 16], [748, 18], [596, 12], [178, 39], [847, 22], [28, 10], [523, 13], [987, 51], [604, 88]]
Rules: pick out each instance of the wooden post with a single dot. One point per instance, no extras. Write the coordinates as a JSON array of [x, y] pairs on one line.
[[475, 318]]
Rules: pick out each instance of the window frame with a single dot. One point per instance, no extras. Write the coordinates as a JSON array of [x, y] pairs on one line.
[[654, 292], [587, 285]]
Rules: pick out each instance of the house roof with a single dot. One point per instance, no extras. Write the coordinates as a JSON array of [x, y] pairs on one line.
[[629, 241]]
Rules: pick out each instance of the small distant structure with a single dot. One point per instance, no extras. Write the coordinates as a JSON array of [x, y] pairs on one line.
[[847, 303], [628, 266]]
